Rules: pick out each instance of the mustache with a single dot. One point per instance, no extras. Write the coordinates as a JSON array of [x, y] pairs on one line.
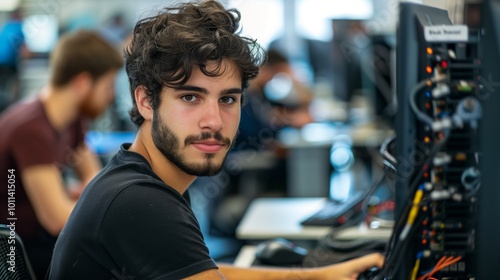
[[207, 135]]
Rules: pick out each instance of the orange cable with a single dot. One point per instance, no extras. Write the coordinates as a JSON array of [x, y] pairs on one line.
[[442, 263]]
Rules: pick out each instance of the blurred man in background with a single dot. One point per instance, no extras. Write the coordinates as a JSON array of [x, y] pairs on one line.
[[275, 99], [44, 134]]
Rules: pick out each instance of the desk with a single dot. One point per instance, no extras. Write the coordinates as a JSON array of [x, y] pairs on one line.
[[280, 217], [246, 256], [268, 218]]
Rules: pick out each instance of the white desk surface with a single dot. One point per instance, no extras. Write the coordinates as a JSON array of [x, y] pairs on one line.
[[280, 217], [245, 257], [268, 218]]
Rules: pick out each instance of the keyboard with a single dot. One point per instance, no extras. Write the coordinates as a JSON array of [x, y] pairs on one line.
[[336, 213]]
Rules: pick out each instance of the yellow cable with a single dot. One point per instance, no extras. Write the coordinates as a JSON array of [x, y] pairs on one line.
[[414, 209], [415, 270], [413, 213]]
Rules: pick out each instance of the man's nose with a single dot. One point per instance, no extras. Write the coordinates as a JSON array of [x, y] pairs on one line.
[[211, 118]]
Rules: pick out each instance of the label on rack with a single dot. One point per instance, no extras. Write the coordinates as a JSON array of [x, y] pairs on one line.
[[442, 33]]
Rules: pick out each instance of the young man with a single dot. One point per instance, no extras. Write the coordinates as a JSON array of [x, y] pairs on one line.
[[188, 69], [44, 134]]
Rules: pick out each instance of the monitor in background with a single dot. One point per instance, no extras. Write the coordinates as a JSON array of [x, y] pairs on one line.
[[381, 77], [349, 48], [354, 63], [362, 68]]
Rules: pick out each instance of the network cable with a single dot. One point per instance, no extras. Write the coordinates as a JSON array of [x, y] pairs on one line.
[[395, 244], [364, 208], [421, 115], [468, 109], [389, 159]]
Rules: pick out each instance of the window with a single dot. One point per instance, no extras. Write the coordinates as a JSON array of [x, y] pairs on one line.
[[313, 17], [261, 19]]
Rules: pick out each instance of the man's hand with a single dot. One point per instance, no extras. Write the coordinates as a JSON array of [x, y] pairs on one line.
[[350, 270]]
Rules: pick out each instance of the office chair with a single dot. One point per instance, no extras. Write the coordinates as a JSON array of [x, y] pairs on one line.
[[20, 267]]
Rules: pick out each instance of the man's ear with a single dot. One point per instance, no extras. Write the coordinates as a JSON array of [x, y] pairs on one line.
[[82, 84], [143, 104]]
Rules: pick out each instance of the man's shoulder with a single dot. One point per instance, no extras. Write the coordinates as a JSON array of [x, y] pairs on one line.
[[25, 125], [130, 164], [127, 170], [25, 116]]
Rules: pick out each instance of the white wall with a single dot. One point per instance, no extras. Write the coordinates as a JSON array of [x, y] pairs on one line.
[[384, 21], [454, 7]]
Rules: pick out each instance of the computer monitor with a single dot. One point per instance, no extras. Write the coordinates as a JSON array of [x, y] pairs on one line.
[[349, 47], [381, 78], [365, 67]]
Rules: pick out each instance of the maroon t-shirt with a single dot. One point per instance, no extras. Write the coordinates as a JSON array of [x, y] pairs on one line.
[[28, 139]]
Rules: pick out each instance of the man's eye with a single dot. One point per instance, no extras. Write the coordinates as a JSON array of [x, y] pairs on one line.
[[228, 100], [189, 98]]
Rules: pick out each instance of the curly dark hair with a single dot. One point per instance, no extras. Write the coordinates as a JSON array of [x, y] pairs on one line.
[[165, 48]]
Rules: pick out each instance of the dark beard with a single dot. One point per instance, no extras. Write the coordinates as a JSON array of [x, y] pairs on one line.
[[168, 144], [90, 111]]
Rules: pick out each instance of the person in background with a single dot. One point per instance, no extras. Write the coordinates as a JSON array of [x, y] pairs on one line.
[[188, 68], [43, 136], [116, 118], [115, 30], [268, 109], [12, 50]]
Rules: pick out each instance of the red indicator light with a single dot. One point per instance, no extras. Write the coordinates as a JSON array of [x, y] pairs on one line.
[[341, 220]]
